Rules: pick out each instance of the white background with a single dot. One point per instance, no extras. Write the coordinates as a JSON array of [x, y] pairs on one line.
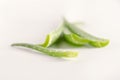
[[30, 20]]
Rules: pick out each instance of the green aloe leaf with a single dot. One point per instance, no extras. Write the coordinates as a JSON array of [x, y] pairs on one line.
[[74, 39], [52, 37], [48, 51], [94, 41]]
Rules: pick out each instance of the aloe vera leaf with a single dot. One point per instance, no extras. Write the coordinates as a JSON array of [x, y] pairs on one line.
[[94, 41], [48, 51], [73, 38], [52, 37]]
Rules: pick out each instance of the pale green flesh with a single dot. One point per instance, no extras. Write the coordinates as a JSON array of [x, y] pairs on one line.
[[94, 41], [47, 51], [53, 36], [75, 39]]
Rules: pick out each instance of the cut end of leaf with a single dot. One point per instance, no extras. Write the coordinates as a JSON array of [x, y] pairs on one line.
[[100, 44], [72, 54], [66, 54], [47, 40]]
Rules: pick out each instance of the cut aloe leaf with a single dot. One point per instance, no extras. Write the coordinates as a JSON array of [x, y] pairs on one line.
[[48, 51], [53, 36], [73, 38], [94, 41]]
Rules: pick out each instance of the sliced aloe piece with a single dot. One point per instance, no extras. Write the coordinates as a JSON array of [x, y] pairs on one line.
[[48, 51], [53, 36], [94, 41], [73, 38]]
